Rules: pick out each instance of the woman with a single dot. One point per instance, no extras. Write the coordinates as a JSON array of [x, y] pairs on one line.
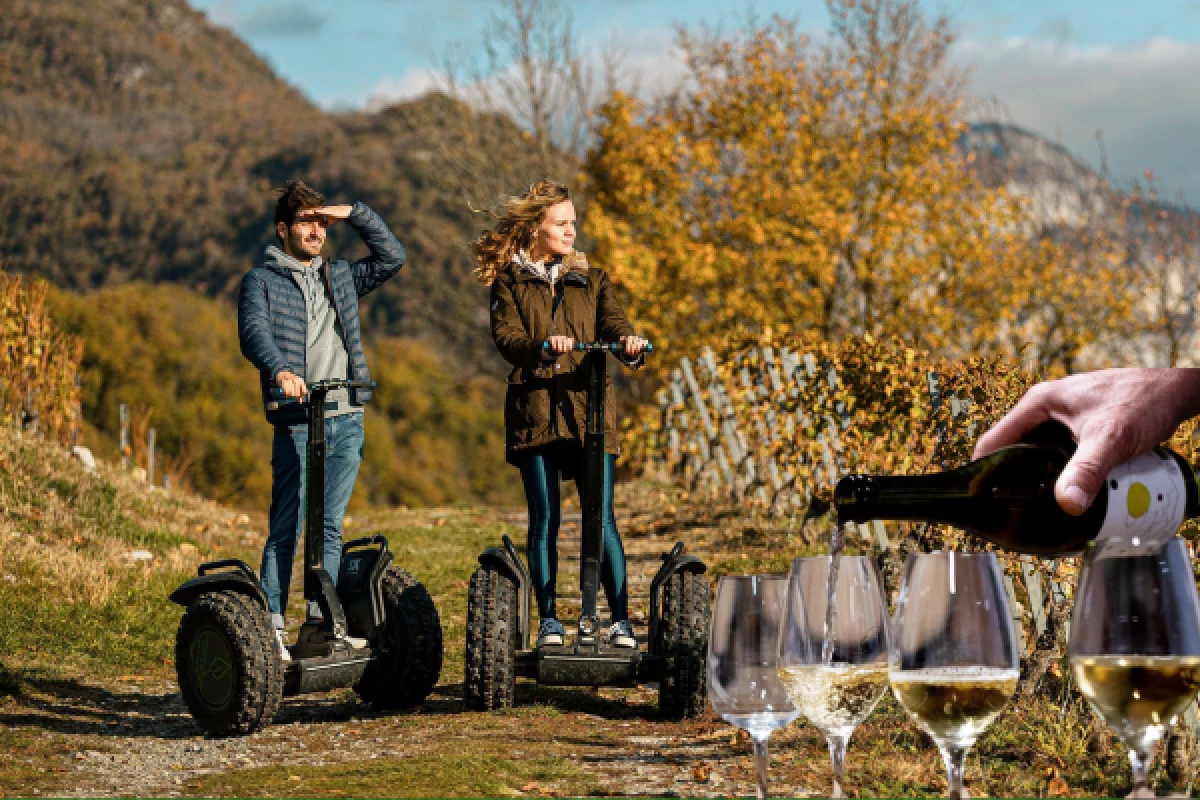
[[545, 291]]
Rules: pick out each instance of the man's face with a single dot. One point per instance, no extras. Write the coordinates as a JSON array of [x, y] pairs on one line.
[[305, 237]]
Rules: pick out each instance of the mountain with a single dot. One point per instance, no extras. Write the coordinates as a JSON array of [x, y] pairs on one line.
[[1060, 188], [140, 142]]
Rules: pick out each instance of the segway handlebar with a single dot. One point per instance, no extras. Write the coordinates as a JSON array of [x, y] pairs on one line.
[[324, 387], [591, 347], [340, 383]]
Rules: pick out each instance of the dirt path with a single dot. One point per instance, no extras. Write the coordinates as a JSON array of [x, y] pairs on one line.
[[95, 736]]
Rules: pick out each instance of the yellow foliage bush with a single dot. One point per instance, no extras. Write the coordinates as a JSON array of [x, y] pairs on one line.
[[39, 364]]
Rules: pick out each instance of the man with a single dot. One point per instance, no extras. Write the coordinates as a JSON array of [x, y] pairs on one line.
[[1115, 414], [298, 324]]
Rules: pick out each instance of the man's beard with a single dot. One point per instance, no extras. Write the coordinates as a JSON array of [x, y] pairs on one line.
[[302, 247]]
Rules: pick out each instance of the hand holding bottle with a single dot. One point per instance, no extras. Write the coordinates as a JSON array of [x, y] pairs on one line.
[[1115, 415]]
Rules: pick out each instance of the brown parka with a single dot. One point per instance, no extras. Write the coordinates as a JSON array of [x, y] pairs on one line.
[[546, 400]]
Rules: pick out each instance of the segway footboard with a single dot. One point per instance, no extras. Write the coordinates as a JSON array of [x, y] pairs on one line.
[[323, 674]]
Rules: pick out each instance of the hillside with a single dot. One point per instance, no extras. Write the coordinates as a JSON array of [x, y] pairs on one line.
[[140, 142], [172, 356]]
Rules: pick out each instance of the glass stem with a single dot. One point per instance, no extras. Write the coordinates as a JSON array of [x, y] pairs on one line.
[[761, 762], [837, 756], [954, 756], [1140, 761]]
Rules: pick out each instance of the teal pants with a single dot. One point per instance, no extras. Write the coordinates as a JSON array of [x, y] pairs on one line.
[[541, 474]]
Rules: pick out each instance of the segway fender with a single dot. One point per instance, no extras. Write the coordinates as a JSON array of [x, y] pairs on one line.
[[505, 559], [674, 561], [241, 579], [496, 558]]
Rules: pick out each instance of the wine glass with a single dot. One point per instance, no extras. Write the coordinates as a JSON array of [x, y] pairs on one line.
[[743, 656], [954, 662], [1135, 645], [835, 693]]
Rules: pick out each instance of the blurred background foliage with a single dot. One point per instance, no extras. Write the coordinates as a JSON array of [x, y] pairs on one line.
[[435, 436]]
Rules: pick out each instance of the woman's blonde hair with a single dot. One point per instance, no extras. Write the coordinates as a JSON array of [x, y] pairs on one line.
[[517, 220]]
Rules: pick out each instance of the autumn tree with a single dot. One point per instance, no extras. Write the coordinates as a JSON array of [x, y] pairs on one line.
[[529, 68], [1163, 242], [786, 185]]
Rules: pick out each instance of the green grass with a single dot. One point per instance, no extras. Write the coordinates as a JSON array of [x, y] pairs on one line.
[[133, 631], [32, 758], [470, 771]]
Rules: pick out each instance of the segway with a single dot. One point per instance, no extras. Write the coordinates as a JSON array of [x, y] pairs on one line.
[[379, 632], [499, 606]]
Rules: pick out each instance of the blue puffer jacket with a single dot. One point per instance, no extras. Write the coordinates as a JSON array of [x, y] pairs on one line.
[[273, 320]]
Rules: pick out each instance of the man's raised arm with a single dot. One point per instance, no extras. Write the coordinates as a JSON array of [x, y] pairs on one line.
[[387, 254]]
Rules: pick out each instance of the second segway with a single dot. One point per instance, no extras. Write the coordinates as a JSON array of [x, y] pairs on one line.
[[499, 606]]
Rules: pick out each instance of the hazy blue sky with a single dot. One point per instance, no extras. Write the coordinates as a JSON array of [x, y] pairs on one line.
[[1064, 68]]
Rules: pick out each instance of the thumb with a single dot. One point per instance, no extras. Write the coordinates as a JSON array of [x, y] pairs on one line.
[[1083, 477]]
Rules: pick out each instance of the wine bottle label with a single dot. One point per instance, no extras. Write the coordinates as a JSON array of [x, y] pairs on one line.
[[1146, 501]]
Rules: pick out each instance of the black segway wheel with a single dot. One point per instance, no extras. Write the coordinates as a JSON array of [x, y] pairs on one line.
[[490, 668], [228, 664], [683, 642], [410, 660]]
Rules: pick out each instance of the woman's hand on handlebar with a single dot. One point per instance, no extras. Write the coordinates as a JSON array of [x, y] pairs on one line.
[[291, 384], [561, 344], [633, 345]]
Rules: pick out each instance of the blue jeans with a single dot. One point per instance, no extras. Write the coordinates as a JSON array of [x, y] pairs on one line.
[[541, 473], [343, 455]]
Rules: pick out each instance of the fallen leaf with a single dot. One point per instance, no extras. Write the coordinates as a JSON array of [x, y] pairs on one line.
[[1058, 788], [701, 773]]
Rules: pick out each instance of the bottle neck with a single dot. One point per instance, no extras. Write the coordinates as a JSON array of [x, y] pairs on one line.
[[861, 498], [1017, 475]]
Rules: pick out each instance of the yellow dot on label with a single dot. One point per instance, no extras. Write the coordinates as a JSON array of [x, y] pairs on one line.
[[1137, 500]]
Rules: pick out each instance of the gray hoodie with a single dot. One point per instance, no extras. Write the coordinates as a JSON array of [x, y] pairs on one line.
[[325, 345]]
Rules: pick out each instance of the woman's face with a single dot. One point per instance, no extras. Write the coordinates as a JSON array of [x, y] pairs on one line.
[[556, 233]]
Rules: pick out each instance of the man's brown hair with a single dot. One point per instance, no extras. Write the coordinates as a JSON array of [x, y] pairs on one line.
[[295, 197]]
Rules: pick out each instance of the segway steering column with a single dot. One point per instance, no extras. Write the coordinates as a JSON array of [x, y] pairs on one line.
[[318, 586], [592, 501]]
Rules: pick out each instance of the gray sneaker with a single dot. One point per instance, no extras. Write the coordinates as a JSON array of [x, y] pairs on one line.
[[550, 632], [620, 634]]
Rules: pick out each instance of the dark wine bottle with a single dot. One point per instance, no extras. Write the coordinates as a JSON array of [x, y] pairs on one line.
[[1007, 498]]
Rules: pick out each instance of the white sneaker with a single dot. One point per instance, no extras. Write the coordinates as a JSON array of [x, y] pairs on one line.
[[620, 634], [281, 638], [550, 632]]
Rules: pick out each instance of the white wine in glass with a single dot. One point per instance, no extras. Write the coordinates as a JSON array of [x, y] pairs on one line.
[[834, 665], [954, 704], [954, 662], [1135, 646]]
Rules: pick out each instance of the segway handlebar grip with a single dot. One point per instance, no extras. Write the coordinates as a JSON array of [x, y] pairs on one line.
[[586, 347]]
